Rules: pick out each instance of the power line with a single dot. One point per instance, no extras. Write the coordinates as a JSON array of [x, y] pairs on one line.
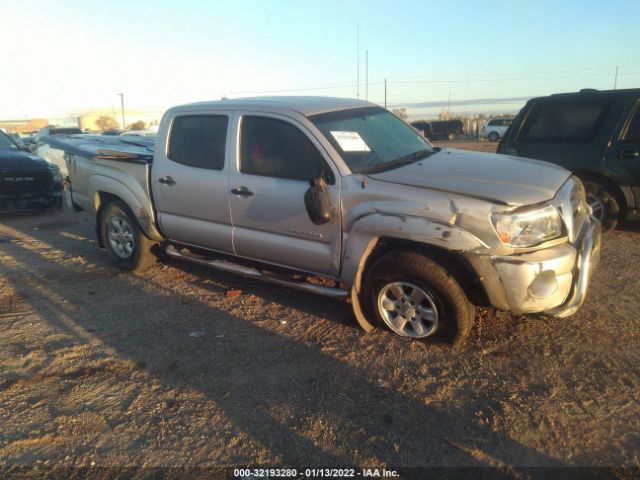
[[512, 79], [418, 82], [480, 74]]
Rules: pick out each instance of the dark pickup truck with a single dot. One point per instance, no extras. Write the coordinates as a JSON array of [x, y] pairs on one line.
[[27, 182]]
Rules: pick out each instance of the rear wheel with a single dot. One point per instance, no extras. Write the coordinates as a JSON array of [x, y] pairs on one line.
[[451, 136], [604, 204], [494, 136], [415, 297], [127, 246]]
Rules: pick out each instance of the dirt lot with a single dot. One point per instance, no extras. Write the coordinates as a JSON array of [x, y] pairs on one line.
[[100, 368]]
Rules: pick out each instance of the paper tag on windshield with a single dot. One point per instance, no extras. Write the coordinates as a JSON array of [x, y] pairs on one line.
[[350, 142]]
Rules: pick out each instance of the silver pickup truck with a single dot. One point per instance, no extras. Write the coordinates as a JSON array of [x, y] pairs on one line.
[[296, 189]]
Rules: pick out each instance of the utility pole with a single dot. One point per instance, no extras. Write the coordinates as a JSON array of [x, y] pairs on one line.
[[385, 93], [358, 62], [122, 109], [615, 81], [366, 63]]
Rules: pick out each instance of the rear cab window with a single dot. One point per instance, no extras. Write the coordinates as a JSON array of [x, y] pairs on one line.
[[564, 120], [198, 141], [65, 131]]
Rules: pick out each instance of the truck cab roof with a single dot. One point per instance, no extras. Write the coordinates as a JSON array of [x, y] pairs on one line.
[[306, 106]]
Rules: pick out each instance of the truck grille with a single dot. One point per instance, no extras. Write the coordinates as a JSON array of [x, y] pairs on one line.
[[24, 181]]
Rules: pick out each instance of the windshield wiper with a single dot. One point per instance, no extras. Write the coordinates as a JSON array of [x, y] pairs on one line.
[[399, 162]]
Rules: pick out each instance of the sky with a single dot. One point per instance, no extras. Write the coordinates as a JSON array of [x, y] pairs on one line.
[[65, 56]]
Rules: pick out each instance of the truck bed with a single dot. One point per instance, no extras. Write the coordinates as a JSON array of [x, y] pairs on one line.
[[100, 164], [136, 149]]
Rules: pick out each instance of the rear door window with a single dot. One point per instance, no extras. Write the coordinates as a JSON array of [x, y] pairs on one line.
[[564, 120], [199, 141]]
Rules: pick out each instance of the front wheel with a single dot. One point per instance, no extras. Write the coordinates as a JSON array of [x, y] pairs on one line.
[[494, 137], [451, 136], [415, 297], [604, 204], [126, 244]]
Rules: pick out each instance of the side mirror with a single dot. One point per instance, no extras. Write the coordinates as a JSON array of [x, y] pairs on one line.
[[317, 202]]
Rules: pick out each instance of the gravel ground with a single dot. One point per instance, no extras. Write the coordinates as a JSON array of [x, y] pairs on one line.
[[171, 368]]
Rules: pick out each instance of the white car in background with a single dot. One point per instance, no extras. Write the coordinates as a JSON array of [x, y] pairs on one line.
[[53, 156], [495, 128]]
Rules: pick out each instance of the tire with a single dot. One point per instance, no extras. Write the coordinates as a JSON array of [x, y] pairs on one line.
[[126, 244], [604, 203], [494, 136], [451, 136], [431, 297]]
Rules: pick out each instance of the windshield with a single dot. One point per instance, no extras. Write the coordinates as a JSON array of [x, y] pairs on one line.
[[6, 142], [371, 139]]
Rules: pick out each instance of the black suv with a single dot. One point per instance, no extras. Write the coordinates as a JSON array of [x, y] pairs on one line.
[[26, 181], [595, 134], [439, 129]]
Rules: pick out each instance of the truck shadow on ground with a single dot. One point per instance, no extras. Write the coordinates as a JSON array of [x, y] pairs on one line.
[[334, 310], [628, 226], [278, 389]]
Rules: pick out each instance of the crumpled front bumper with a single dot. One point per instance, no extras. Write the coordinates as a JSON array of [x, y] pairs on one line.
[[554, 280]]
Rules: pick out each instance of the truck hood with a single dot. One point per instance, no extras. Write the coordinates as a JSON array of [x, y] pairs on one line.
[[17, 159], [498, 178]]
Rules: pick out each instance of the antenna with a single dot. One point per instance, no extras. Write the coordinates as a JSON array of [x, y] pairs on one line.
[[358, 62], [122, 108], [366, 75], [385, 93]]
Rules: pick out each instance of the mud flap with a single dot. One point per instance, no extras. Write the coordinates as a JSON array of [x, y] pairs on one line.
[[359, 314]]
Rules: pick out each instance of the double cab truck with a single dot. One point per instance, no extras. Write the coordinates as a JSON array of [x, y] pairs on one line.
[[292, 189]]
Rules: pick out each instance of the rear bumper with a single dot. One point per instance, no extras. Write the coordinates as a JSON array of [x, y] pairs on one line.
[[554, 280]]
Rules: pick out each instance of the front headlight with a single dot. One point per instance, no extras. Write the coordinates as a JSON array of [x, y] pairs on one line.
[[528, 228]]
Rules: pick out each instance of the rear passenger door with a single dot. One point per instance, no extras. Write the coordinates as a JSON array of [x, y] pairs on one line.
[[275, 161], [189, 181]]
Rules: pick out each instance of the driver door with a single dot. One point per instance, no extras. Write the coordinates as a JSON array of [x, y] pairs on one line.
[[275, 161]]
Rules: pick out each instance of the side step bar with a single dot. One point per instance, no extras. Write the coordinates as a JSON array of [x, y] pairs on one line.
[[258, 274]]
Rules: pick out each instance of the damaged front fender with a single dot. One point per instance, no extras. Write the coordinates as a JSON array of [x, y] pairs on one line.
[[367, 230]]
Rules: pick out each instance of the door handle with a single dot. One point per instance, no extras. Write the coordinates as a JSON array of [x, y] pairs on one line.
[[242, 191], [627, 154], [167, 181]]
